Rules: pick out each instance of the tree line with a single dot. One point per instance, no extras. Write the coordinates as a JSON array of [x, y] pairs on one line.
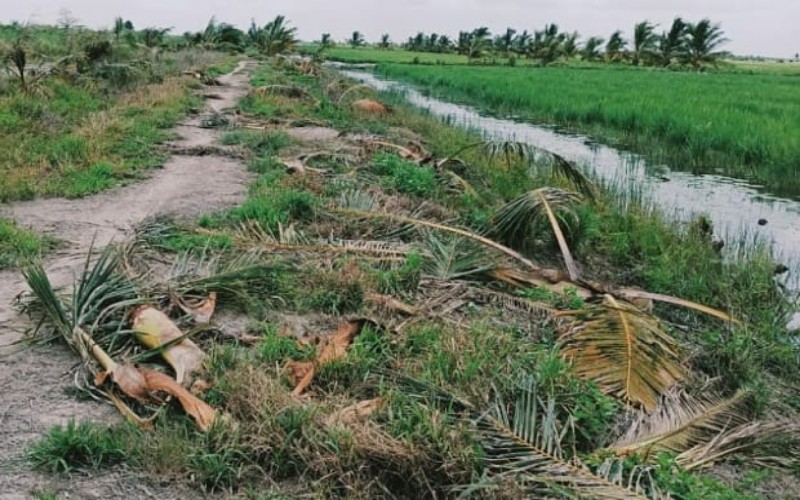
[[683, 44]]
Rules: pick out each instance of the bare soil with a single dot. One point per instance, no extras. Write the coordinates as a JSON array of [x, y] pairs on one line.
[[35, 382]]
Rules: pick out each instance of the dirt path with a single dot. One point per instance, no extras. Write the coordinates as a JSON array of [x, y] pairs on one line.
[[34, 382]]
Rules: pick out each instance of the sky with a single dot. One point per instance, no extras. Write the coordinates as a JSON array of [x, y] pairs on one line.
[[754, 27]]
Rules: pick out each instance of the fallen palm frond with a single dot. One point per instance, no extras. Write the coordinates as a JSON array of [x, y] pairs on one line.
[[100, 290], [292, 91], [679, 423], [518, 221], [99, 295], [525, 447], [457, 184], [521, 151], [352, 89], [451, 258], [707, 429], [623, 350]]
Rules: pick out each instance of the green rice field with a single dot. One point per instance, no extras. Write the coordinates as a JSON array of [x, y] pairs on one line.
[[733, 123]]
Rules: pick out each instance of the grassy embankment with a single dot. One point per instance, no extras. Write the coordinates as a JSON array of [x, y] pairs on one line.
[[473, 336], [739, 124], [89, 128]]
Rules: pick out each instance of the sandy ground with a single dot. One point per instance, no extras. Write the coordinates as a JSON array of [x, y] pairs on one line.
[[34, 382]]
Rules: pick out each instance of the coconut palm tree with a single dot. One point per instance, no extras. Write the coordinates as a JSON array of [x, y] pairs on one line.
[[445, 44], [275, 37], [591, 50], [326, 41], [644, 42], [569, 46], [521, 42], [615, 46], [385, 42], [356, 40], [504, 42], [153, 37], [702, 40], [672, 44]]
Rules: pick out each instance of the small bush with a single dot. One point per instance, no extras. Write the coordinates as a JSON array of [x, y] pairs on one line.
[[405, 176]]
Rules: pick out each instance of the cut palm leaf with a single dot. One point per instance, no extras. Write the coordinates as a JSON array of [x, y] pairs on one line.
[[681, 422], [623, 350], [155, 330]]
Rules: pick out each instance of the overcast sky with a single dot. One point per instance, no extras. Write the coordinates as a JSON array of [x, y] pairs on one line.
[[759, 27]]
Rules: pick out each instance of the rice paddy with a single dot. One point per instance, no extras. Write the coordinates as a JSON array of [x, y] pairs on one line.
[[737, 124]]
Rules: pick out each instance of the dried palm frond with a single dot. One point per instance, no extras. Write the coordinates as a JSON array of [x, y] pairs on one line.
[[704, 430], [517, 222], [350, 90], [450, 258], [525, 447], [681, 422], [456, 184], [623, 350]]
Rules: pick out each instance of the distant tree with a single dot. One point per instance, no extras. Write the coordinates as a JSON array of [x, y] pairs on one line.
[[591, 49], [464, 40], [129, 25], [504, 43], [356, 40], [276, 37], [479, 43], [672, 44], [569, 45], [521, 42], [445, 44], [702, 40], [153, 37], [644, 42], [16, 56], [385, 41], [547, 44], [66, 19], [615, 46], [326, 40], [119, 28]]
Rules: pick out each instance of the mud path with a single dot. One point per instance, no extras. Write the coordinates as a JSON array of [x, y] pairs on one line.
[[34, 383]]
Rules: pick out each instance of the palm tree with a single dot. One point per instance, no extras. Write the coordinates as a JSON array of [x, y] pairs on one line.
[[644, 41], [119, 28], [569, 46], [547, 44], [478, 47], [591, 50], [702, 40], [385, 42], [445, 44], [521, 42], [504, 42], [153, 37], [326, 41], [615, 46], [356, 40], [673, 43], [276, 37], [464, 39]]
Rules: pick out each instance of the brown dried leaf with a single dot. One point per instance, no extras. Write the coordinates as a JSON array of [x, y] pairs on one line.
[[154, 329], [329, 348], [390, 303], [203, 414], [370, 106], [201, 312], [301, 373]]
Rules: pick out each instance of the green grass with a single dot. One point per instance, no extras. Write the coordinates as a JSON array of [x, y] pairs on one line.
[[740, 124], [19, 245], [83, 446]]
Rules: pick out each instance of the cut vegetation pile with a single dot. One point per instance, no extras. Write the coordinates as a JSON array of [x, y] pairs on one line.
[[399, 310]]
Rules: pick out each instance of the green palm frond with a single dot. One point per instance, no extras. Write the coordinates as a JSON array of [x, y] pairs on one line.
[[100, 295], [524, 444], [450, 258], [518, 222], [623, 350], [536, 157]]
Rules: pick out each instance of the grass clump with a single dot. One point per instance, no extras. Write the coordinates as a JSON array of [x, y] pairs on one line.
[[19, 245], [78, 447], [405, 176]]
